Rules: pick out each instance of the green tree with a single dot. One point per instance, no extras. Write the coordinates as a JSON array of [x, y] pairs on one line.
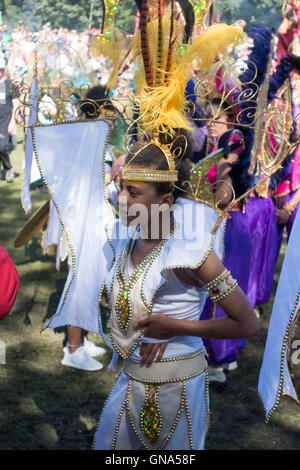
[[264, 12], [126, 15], [10, 10], [75, 14], [71, 14]]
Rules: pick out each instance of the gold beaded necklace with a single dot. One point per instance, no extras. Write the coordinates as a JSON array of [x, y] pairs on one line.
[[123, 304]]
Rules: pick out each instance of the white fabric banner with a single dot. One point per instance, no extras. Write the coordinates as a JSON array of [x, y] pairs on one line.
[[70, 157], [275, 378]]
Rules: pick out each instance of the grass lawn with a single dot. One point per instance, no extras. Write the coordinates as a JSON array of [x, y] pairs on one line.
[[44, 405]]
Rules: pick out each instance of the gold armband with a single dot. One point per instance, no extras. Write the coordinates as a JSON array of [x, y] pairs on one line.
[[221, 287]]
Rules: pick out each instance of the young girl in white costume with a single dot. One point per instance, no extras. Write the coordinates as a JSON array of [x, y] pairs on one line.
[[157, 278], [161, 273], [157, 287]]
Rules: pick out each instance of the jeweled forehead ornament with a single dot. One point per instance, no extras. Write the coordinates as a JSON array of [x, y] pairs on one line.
[[144, 175]]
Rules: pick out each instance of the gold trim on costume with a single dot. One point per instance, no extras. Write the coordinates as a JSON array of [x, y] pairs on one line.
[[289, 353], [216, 281], [150, 174]]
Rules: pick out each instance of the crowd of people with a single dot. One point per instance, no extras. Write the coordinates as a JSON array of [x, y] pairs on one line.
[[181, 312], [19, 44], [21, 49]]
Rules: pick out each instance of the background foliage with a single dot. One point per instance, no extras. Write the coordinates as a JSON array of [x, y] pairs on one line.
[[264, 12], [74, 14]]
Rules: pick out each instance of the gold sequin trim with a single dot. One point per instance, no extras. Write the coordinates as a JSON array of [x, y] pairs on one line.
[[223, 295], [181, 406], [150, 417]]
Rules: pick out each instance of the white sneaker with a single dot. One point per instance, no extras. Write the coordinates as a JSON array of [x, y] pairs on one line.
[[216, 374], [79, 359], [230, 366], [91, 349]]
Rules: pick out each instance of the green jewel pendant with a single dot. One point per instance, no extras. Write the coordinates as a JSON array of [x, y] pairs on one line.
[[123, 309], [150, 416]]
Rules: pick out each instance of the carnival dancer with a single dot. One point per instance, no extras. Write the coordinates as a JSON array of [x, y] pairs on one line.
[[182, 425], [286, 183], [154, 405], [166, 262], [260, 208], [285, 191], [229, 179], [79, 352], [137, 413], [289, 43], [160, 279], [237, 243], [236, 136]]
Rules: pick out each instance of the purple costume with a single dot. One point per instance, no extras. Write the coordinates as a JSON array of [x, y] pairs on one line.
[[264, 240], [237, 259], [237, 249]]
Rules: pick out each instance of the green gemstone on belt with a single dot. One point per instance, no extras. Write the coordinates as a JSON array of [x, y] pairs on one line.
[[150, 417]]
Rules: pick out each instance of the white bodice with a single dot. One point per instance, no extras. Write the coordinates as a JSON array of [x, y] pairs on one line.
[[178, 300]]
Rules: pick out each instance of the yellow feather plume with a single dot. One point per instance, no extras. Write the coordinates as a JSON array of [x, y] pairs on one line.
[[164, 106]]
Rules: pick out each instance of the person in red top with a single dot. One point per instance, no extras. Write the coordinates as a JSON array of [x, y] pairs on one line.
[[9, 283]]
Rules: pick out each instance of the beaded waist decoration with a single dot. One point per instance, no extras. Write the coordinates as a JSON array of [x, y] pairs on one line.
[[167, 370], [157, 397]]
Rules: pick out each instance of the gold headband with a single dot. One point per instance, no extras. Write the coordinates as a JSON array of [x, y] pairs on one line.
[[150, 174]]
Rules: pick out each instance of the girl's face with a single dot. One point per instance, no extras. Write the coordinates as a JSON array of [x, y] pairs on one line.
[[221, 121], [137, 202]]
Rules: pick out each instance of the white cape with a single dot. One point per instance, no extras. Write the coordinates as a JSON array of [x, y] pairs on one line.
[[276, 377], [70, 157]]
